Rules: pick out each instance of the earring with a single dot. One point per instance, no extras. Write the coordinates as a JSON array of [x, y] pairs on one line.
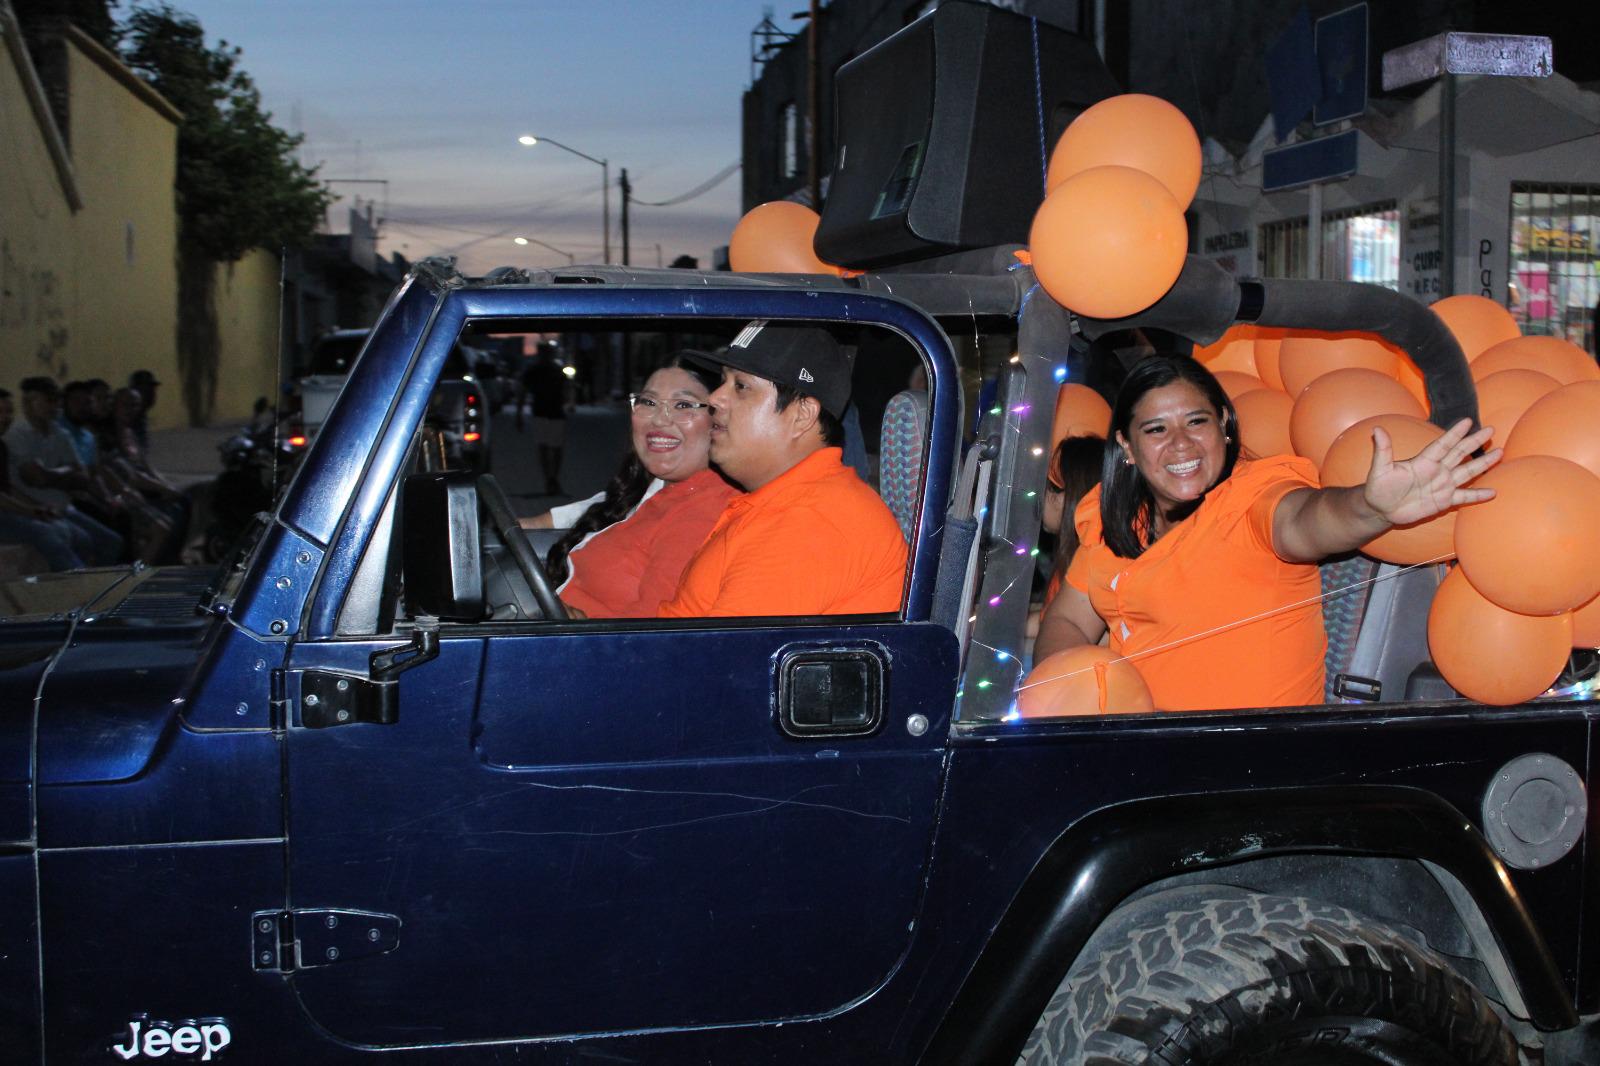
[[1127, 460]]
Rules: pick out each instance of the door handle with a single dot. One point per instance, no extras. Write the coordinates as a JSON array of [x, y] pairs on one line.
[[830, 692]]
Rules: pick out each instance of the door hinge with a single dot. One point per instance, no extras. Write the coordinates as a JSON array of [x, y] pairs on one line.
[[328, 698], [286, 941]]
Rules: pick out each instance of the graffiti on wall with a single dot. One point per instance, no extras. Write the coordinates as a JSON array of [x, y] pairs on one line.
[[32, 308]]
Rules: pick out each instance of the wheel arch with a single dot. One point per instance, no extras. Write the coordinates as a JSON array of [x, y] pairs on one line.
[[1122, 852]]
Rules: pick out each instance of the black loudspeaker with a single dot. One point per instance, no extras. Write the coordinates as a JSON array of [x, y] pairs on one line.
[[944, 132]]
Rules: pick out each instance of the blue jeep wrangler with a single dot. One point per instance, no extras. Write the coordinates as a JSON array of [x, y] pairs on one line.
[[364, 795]]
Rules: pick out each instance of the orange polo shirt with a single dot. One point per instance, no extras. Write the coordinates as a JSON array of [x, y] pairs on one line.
[[1209, 614], [814, 540], [627, 569]]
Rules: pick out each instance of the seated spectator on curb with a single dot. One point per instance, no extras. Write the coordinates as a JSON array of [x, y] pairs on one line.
[[125, 456], [44, 463], [145, 384], [810, 537], [25, 520], [627, 548]]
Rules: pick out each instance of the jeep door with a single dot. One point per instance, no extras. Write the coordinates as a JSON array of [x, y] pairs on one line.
[[622, 827]]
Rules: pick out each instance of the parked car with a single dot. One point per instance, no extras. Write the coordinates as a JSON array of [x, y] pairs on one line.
[[460, 410]]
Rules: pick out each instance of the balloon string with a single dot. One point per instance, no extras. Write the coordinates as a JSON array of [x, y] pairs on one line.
[[1038, 98], [1241, 622]]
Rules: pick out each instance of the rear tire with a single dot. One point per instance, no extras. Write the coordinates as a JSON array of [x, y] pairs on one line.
[[1219, 977]]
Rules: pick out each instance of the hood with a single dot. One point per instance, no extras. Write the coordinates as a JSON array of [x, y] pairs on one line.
[[51, 598], [102, 652]]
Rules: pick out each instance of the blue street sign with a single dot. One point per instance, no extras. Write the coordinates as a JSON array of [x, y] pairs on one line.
[[1323, 159], [1292, 78], [1341, 42]]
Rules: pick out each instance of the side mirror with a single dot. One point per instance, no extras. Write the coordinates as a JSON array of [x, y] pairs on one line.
[[442, 565]]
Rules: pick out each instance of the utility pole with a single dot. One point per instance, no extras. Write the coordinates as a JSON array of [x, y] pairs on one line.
[[627, 194]]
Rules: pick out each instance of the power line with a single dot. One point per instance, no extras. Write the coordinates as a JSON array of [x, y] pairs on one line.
[[699, 190]]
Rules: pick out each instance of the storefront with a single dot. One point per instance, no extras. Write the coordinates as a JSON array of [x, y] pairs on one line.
[[1527, 230]]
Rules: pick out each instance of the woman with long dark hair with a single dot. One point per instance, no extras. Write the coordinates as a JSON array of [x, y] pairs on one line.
[[624, 554], [1202, 564]]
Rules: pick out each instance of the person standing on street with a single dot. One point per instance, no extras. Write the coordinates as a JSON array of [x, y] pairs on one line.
[[546, 384]]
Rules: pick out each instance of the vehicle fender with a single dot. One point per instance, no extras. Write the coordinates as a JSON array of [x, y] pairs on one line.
[[1105, 857]]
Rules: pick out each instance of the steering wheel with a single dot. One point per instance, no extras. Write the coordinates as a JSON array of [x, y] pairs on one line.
[[527, 560]]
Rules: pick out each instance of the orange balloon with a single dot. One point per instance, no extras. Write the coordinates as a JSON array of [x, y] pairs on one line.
[[1338, 400], [1411, 378], [1490, 654], [1087, 679], [1531, 548], [1562, 424], [1133, 130], [1269, 348], [1080, 412], [777, 238], [1562, 360], [1477, 322], [1264, 423], [1504, 396], [1236, 384], [1302, 360], [1108, 242], [1348, 461], [1586, 625], [1234, 350]]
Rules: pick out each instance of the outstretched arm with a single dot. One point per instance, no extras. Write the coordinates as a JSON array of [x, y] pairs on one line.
[[1311, 524]]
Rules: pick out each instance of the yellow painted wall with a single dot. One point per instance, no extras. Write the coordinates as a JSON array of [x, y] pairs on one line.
[[37, 294], [125, 153], [247, 323], [94, 292]]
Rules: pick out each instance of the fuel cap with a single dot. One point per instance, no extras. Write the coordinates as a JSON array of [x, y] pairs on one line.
[[1534, 810]]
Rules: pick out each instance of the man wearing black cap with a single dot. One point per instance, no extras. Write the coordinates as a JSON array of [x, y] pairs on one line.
[[809, 537]]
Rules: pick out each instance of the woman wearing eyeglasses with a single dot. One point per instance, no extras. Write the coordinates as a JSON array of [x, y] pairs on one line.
[[625, 552]]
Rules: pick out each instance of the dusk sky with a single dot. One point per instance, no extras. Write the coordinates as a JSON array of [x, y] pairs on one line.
[[431, 98]]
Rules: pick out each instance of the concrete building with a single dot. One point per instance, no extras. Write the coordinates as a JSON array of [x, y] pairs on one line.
[[1527, 203]]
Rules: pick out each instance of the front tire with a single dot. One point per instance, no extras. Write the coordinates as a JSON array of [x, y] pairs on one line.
[[1221, 977]]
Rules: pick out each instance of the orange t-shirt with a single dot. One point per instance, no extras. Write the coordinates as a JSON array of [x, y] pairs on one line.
[[1211, 572], [814, 540], [627, 569]]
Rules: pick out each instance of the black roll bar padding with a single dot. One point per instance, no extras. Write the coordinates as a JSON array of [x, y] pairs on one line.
[[1205, 301]]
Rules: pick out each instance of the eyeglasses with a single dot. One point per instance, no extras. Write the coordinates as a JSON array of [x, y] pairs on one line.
[[680, 411]]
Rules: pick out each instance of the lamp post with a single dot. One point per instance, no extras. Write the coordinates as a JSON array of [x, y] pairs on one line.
[[571, 259], [529, 140]]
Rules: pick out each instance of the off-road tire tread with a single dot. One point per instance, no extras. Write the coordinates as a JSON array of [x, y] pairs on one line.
[[1186, 984]]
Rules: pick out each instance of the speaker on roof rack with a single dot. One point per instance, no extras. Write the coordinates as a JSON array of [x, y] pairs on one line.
[[945, 130]]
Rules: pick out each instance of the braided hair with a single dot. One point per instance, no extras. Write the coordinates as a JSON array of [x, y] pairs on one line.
[[627, 486]]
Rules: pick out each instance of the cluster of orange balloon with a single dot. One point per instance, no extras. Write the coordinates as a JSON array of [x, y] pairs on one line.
[[777, 238], [1526, 589], [1110, 238], [1528, 585]]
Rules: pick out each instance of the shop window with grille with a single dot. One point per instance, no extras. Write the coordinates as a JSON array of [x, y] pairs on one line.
[[1358, 244], [1555, 260]]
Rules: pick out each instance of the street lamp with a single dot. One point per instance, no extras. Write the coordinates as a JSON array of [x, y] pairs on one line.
[[529, 140], [571, 259]]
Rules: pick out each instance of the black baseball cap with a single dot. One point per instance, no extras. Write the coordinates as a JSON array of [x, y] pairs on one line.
[[142, 377], [803, 357]]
